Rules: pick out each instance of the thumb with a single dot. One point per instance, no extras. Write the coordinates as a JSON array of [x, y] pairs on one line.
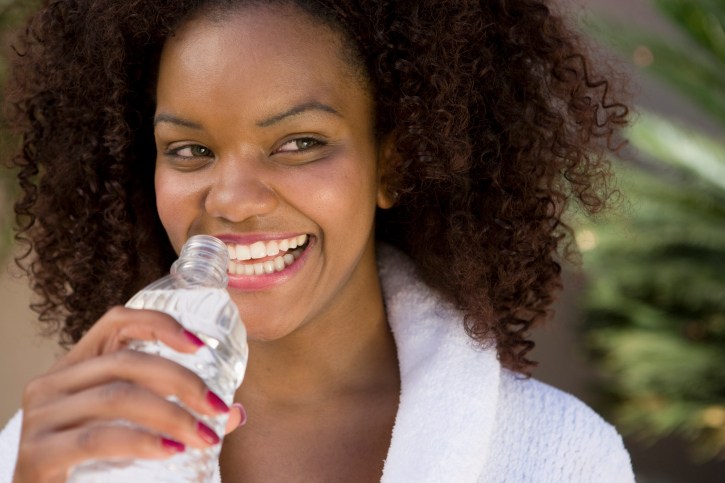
[[237, 417]]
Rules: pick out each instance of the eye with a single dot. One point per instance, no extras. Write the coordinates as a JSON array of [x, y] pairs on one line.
[[191, 151], [299, 145]]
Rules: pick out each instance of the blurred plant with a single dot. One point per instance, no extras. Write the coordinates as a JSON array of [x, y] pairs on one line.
[[11, 13], [655, 310]]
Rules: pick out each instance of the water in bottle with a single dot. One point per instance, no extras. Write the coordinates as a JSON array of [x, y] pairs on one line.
[[194, 293]]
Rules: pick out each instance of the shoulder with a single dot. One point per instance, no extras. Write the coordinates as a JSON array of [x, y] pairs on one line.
[[552, 436]]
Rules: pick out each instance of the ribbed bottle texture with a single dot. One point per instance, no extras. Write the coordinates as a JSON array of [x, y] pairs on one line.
[[194, 293]]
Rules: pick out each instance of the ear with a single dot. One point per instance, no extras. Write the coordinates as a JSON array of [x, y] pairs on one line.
[[388, 158]]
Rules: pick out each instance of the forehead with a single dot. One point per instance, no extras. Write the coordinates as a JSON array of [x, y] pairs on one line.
[[263, 57], [283, 45]]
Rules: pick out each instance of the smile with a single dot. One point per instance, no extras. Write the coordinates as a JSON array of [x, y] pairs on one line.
[[265, 257]]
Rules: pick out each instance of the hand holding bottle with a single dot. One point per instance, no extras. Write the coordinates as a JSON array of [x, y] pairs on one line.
[[67, 412]]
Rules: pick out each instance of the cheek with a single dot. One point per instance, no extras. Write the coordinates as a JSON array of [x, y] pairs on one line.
[[342, 192], [164, 194], [174, 204]]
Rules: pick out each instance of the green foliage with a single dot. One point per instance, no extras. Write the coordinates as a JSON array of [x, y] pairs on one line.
[[655, 310], [12, 13]]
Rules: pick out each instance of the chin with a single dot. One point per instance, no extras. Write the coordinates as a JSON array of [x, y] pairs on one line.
[[267, 332]]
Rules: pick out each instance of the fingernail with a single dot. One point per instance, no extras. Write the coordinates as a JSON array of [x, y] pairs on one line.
[[206, 433], [172, 446], [193, 338], [242, 413], [216, 402]]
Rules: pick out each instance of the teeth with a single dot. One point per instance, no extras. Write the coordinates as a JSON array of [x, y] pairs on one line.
[[272, 248], [258, 250], [261, 249], [285, 252], [243, 253]]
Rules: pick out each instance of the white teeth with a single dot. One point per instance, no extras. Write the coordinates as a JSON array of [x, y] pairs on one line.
[[261, 249], [272, 248], [287, 250], [269, 266], [258, 250], [243, 253]]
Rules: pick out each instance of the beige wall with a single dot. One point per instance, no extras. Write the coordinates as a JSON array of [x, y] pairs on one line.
[[23, 354]]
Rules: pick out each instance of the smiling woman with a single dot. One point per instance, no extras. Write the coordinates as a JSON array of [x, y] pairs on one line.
[[231, 165], [389, 179]]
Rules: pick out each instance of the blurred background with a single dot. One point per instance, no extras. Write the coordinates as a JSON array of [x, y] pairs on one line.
[[639, 332]]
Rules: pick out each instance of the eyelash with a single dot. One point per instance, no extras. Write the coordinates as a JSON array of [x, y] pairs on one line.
[[175, 151], [315, 143]]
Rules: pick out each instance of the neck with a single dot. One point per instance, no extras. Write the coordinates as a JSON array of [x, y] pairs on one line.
[[342, 355]]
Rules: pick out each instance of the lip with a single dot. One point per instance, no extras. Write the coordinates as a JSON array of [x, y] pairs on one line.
[[252, 283]]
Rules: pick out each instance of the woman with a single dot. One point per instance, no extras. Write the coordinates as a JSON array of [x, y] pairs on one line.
[[452, 131]]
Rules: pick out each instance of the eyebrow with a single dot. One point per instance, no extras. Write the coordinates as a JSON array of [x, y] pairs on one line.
[[299, 109], [175, 120], [295, 111]]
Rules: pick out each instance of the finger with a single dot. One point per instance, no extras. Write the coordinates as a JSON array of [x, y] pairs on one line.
[[237, 418], [121, 401], [155, 373], [120, 325], [56, 454]]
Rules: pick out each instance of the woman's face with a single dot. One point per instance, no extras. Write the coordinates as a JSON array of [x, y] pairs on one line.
[[264, 137]]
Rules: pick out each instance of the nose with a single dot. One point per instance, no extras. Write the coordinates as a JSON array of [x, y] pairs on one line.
[[240, 190]]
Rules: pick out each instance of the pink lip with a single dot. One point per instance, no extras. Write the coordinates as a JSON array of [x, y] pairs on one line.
[[252, 283]]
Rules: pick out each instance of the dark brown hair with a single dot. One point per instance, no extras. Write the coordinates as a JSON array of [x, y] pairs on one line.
[[498, 117]]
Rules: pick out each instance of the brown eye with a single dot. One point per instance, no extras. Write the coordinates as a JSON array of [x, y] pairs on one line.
[[299, 145], [193, 151], [190, 151], [199, 151]]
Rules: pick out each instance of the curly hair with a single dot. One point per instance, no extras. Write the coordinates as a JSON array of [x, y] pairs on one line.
[[497, 115]]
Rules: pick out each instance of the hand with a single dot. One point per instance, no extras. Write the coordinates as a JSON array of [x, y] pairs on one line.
[[66, 411]]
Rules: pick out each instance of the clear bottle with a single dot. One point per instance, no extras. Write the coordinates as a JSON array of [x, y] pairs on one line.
[[194, 293]]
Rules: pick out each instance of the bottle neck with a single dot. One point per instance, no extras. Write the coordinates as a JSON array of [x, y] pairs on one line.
[[203, 262]]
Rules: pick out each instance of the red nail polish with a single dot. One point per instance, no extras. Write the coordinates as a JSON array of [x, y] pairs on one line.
[[193, 338], [206, 433], [172, 446], [216, 402]]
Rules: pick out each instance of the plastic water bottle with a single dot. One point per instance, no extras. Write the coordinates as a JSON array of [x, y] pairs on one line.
[[194, 293]]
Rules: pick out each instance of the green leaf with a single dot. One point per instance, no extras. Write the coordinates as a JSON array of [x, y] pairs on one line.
[[694, 71], [701, 20], [684, 148]]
